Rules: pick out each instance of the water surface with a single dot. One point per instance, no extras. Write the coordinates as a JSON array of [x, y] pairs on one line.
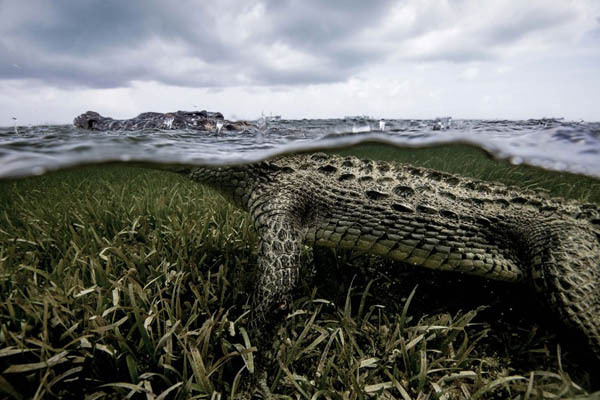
[[549, 143]]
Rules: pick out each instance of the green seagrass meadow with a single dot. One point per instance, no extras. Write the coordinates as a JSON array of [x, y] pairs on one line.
[[121, 281]]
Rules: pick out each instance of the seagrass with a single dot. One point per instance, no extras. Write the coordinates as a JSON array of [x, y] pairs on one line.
[[419, 216]]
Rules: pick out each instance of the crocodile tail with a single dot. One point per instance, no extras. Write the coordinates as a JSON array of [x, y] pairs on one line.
[[565, 269]]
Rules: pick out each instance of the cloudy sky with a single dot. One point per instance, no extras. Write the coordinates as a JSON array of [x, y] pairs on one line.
[[300, 58]]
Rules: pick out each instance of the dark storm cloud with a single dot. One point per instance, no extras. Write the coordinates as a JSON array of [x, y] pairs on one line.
[[111, 43], [325, 27], [96, 43], [87, 27]]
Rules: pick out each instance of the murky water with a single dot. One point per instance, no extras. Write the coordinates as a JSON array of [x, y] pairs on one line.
[[548, 143]]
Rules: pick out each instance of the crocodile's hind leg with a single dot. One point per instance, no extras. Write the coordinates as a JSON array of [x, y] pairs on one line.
[[280, 249], [565, 262], [281, 234]]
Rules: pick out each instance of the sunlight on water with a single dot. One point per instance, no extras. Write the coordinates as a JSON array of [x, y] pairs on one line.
[[361, 128]]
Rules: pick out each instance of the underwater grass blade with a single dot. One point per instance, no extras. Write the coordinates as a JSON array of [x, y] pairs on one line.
[[143, 278]]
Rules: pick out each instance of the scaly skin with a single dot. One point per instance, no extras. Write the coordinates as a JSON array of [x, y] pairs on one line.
[[418, 216], [197, 120]]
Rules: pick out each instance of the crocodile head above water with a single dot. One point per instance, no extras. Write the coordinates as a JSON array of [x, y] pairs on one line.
[[192, 120]]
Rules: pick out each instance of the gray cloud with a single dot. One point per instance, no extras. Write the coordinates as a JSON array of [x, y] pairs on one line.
[[110, 43], [521, 24], [593, 35]]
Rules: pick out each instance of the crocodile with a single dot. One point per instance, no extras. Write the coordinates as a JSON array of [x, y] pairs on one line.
[[418, 216], [196, 120]]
